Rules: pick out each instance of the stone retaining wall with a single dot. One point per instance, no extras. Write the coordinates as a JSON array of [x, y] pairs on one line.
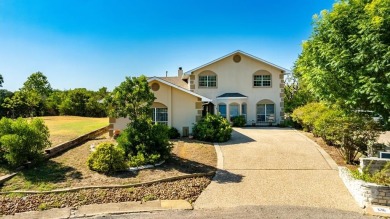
[[365, 193], [372, 164], [53, 151]]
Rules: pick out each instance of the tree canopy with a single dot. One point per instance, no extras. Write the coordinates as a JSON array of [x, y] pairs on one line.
[[347, 57], [1, 80], [132, 98]]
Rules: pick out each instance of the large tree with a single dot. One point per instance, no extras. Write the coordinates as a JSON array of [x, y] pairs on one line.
[[36, 89], [132, 98], [347, 57]]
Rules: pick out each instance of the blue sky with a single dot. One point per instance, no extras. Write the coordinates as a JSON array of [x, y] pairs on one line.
[[96, 43]]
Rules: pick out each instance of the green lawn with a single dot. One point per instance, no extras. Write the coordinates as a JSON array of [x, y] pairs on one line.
[[65, 128]]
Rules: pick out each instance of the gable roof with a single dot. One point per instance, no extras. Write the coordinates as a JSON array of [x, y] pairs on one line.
[[204, 99], [233, 53]]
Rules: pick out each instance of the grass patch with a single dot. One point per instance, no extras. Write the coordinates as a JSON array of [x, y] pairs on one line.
[[65, 128], [44, 177]]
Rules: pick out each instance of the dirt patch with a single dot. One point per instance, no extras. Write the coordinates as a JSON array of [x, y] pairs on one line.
[[332, 151], [187, 189], [70, 168]]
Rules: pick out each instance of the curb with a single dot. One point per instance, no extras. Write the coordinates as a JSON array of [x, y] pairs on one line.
[[332, 164], [219, 156], [102, 209]]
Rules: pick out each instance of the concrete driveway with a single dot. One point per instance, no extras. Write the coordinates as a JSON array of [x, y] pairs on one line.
[[275, 166]]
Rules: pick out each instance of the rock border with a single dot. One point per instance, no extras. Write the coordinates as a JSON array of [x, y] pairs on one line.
[[169, 179], [364, 193]]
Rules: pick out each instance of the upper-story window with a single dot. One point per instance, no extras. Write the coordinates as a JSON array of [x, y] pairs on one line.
[[262, 79], [207, 79]]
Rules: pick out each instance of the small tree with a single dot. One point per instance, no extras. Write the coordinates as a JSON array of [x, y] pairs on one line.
[[144, 142], [22, 141], [354, 135], [132, 99]]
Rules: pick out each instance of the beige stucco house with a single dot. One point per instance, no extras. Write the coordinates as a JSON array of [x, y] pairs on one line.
[[235, 84]]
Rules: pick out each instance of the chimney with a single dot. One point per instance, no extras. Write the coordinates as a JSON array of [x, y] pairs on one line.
[[180, 72]]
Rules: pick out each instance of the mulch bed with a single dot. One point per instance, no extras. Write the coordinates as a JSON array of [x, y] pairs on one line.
[[186, 189]]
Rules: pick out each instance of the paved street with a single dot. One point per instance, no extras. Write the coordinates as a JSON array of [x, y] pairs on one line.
[[276, 167], [245, 212]]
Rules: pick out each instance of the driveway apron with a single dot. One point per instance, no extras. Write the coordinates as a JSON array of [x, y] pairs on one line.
[[275, 166]]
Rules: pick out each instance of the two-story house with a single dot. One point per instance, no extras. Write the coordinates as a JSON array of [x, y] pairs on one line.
[[235, 84]]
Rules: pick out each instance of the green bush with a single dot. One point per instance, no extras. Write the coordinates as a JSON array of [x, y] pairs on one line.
[[354, 134], [140, 159], [107, 158], [212, 128], [307, 115], [326, 122], [22, 140], [381, 177], [150, 140], [173, 133], [239, 121], [350, 133]]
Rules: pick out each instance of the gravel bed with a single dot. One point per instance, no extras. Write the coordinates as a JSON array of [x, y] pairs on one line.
[[186, 189]]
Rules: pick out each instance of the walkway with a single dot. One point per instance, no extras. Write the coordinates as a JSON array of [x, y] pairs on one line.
[[279, 167]]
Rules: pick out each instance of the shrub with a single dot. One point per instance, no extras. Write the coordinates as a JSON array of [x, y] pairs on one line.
[[22, 140], [143, 137], [351, 134], [213, 128], [173, 133], [381, 177], [107, 158], [307, 115], [354, 134], [324, 124], [239, 121]]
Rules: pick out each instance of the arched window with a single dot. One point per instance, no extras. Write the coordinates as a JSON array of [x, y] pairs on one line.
[[222, 109], [265, 111], [207, 79], [262, 78], [234, 110], [159, 113]]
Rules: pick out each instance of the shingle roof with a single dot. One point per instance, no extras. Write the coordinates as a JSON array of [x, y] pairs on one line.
[[175, 80], [231, 95]]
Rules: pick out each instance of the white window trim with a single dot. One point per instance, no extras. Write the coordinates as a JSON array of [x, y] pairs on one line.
[[208, 81], [261, 80], [155, 116], [265, 112]]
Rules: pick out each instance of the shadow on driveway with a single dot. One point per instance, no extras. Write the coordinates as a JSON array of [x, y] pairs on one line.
[[224, 176]]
